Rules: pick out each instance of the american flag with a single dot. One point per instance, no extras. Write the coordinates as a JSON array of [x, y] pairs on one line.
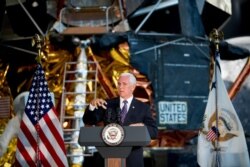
[[213, 134], [40, 138]]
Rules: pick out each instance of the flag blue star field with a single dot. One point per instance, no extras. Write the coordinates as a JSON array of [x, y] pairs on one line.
[[40, 138], [226, 147]]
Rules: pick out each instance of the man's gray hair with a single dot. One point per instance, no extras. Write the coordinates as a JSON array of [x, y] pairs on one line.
[[132, 78]]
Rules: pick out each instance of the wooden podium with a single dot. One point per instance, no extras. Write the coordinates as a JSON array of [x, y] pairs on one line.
[[114, 156]]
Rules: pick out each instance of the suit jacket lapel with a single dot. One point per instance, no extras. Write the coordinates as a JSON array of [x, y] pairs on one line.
[[132, 106], [130, 110]]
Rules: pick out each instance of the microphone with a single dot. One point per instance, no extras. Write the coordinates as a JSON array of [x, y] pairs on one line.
[[108, 116], [113, 116], [118, 113]]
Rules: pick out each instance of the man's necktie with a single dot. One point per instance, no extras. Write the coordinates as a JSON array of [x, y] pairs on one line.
[[124, 110]]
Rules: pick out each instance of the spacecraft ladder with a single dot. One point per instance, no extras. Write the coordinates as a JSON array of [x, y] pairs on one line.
[[79, 85]]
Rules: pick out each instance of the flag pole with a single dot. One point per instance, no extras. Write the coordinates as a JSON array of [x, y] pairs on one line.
[[38, 42], [215, 37]]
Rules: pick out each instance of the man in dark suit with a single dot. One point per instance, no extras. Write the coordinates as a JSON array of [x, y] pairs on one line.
[[138, 114]]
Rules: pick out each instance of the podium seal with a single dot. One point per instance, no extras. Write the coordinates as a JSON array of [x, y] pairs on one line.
[[113, 134]]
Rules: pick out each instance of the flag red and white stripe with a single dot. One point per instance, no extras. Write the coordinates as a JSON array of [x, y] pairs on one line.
[[40, 139]]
